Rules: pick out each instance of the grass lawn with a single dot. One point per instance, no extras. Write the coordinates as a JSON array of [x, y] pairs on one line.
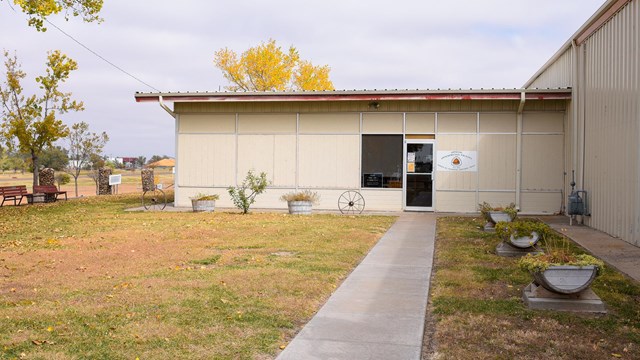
[[479, 314], [84, 279]]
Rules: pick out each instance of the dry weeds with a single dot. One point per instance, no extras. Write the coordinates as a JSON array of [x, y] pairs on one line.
[[479, 314], [84, 279]]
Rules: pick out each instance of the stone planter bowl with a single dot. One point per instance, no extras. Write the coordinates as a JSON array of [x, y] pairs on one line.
[[300, 207], [497, 216], [524, 242], [566, 279], [203, 205]]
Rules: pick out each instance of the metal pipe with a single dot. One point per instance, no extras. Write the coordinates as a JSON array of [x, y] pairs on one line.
[[519, 149], [165, 107]]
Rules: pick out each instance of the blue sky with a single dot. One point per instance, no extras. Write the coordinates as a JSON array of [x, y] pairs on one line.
[[377, 44]]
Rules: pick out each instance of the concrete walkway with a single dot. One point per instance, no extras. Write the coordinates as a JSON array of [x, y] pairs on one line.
[[379, 310], [615, 252]]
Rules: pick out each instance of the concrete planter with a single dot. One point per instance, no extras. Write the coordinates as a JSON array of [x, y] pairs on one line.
[[498, 216], [524, 242], [203, 205], [566, 279], [300, 207]]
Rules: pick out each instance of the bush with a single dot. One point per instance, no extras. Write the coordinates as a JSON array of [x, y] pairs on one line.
[[523, 228], [256, 184], [541, 262], [305, 195], [205, 197], [62, 179], [486, 208]]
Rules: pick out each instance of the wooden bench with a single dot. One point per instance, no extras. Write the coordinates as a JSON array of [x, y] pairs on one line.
[[51, 190], [10, 193]]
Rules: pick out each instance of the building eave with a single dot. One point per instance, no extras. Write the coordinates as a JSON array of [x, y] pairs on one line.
[[357, 95]]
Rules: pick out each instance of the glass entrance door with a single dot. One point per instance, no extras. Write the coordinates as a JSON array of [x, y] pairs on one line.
[[419, 165]]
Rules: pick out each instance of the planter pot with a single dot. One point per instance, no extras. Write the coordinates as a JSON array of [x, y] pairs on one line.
[[498, 216], [566, 279], [300, 207], [203, 205], [524, 242]]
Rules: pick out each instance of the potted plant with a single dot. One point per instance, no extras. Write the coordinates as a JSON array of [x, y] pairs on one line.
[[301, 202], [204, 202], [493, 215], [522, 234], [560, 271]]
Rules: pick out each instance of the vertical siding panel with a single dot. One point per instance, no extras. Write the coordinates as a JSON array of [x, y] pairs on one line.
[[611, 125]]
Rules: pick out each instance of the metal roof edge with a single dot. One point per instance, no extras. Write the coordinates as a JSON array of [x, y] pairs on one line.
[[356, 95]]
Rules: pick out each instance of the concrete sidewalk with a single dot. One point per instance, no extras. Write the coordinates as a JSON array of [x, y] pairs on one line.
[[379, 310], [615, 252]]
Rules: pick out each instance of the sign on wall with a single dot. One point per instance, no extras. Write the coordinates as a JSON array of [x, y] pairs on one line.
[[457, 161]]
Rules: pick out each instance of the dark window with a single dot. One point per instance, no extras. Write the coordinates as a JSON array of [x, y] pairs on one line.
[[382, 161]]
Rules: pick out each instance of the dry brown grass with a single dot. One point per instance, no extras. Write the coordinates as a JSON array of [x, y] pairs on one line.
[[84, 279], [479, 314]]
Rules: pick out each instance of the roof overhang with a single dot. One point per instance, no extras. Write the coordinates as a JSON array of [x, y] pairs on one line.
[[357, 95]]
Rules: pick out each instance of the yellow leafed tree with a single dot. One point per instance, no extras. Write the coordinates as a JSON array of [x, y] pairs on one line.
[[39, 10], [267, 67]]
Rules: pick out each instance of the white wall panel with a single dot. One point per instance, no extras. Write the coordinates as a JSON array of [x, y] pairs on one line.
[[331, 161]]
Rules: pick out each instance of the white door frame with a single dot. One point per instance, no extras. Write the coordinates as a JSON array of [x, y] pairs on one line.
[[405, 174]]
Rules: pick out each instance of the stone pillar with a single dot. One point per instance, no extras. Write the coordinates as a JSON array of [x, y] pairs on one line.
[[47, 176], [103, 181], [147, 179]]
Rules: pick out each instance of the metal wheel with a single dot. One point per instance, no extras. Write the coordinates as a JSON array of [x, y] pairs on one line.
[[154, 200], [351, 202]]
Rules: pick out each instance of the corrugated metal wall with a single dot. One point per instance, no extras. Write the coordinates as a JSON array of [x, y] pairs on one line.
[[612, 124], [558, 75]]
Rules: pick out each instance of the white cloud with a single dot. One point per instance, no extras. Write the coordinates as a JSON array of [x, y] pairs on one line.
[[373, 44]]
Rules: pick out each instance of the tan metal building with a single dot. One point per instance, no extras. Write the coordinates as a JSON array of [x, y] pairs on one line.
[[600, 63], [402, 150], [439, 150]]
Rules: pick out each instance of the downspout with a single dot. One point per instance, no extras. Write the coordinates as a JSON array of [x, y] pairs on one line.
[[575, 101], [519, 149], [166, 108], [176, 188]]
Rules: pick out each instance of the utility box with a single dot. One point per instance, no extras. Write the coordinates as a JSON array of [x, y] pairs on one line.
[[576, 203]]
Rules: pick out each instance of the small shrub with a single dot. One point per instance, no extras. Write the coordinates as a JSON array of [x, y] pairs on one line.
[[254, 184], [204, 197], [62, 179], [305, 195], [523, 228], [541, 262]]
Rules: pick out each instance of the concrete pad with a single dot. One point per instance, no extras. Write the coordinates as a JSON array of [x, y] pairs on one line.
[[359, 302], [391, 272], [538, 298], [369, 328], [506, 250], [371, 285], [342, 350]]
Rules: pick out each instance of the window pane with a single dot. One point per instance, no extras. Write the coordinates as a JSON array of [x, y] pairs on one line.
[[382, 161]]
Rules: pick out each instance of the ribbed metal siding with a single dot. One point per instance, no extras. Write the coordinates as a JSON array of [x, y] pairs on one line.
[[612, 117], [558, 75]]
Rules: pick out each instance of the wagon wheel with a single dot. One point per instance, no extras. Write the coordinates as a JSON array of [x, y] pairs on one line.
[[351, 202], [154, 200]]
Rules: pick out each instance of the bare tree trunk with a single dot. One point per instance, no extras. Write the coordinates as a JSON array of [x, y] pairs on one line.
[[34, 161], [75, 179]]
